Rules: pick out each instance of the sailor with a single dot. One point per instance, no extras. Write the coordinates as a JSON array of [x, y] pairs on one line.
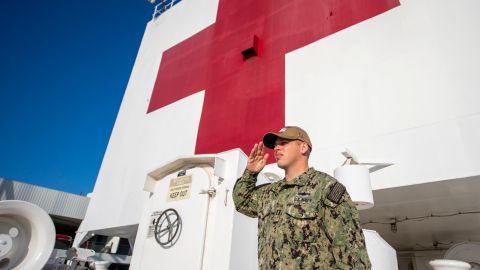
[[305, 221]]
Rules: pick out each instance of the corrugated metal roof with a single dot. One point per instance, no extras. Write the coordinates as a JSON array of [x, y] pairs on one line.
[[54, 202]]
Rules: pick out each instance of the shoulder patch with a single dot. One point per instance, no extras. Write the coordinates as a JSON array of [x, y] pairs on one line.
[[336, 193]]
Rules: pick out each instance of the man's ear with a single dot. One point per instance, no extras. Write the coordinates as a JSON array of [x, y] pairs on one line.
[[304, 148]]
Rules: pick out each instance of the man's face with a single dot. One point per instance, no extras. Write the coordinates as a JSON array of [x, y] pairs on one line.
[[287, 152]]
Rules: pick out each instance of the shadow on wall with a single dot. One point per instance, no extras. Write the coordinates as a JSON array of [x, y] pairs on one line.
[[6, 190]]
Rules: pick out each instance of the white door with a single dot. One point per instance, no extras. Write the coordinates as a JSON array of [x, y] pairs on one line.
[[179, 212]]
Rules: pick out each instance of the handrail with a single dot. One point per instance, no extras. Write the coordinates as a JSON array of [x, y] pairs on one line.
[[163, 6]]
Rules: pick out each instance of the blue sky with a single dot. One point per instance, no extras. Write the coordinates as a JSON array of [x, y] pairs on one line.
[[64, 69]]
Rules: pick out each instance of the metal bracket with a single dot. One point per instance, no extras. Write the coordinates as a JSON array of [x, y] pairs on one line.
[[375, 166], [211, 191]]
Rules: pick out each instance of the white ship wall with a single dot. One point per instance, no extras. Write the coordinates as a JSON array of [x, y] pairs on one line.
[[141, 141], [400, 88]]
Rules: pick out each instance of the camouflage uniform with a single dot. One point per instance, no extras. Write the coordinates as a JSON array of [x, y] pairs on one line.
[[307, 223]]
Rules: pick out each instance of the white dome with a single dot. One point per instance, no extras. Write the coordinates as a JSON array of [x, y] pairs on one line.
[[449, 265], [467, 252]]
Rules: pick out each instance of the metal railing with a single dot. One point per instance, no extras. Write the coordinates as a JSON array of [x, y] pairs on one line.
[[163, 6]]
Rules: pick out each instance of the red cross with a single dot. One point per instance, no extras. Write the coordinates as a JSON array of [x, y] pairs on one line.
[[245, 99]]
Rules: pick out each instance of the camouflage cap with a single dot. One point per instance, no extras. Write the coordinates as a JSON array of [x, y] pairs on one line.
[[289, 133]]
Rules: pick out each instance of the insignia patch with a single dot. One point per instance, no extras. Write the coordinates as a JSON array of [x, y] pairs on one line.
[[336, 193]]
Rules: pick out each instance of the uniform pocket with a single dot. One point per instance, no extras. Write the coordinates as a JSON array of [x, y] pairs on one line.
[[265, 210], [302, 210], [303, 223]]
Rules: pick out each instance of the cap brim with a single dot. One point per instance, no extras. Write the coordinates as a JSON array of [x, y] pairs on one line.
[[269, 140]]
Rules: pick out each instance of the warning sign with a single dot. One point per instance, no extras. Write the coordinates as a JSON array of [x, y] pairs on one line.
[[179, 188]]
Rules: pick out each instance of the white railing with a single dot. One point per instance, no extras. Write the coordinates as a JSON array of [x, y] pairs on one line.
[[163, 6]]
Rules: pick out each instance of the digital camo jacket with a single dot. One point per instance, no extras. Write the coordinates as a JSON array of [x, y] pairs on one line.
[[307, 223]]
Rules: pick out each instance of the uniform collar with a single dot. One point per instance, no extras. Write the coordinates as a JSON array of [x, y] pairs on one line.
[[300, 180]]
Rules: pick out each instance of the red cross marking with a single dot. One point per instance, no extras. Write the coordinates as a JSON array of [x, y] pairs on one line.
[[245, 99]]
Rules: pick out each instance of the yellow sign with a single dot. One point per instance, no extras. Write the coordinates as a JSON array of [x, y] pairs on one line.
[[179, 188]]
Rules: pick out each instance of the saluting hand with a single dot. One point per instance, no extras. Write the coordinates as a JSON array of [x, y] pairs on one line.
[[257, 159]]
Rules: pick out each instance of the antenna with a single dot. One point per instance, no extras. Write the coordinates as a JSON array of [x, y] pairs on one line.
[[375, 165]]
